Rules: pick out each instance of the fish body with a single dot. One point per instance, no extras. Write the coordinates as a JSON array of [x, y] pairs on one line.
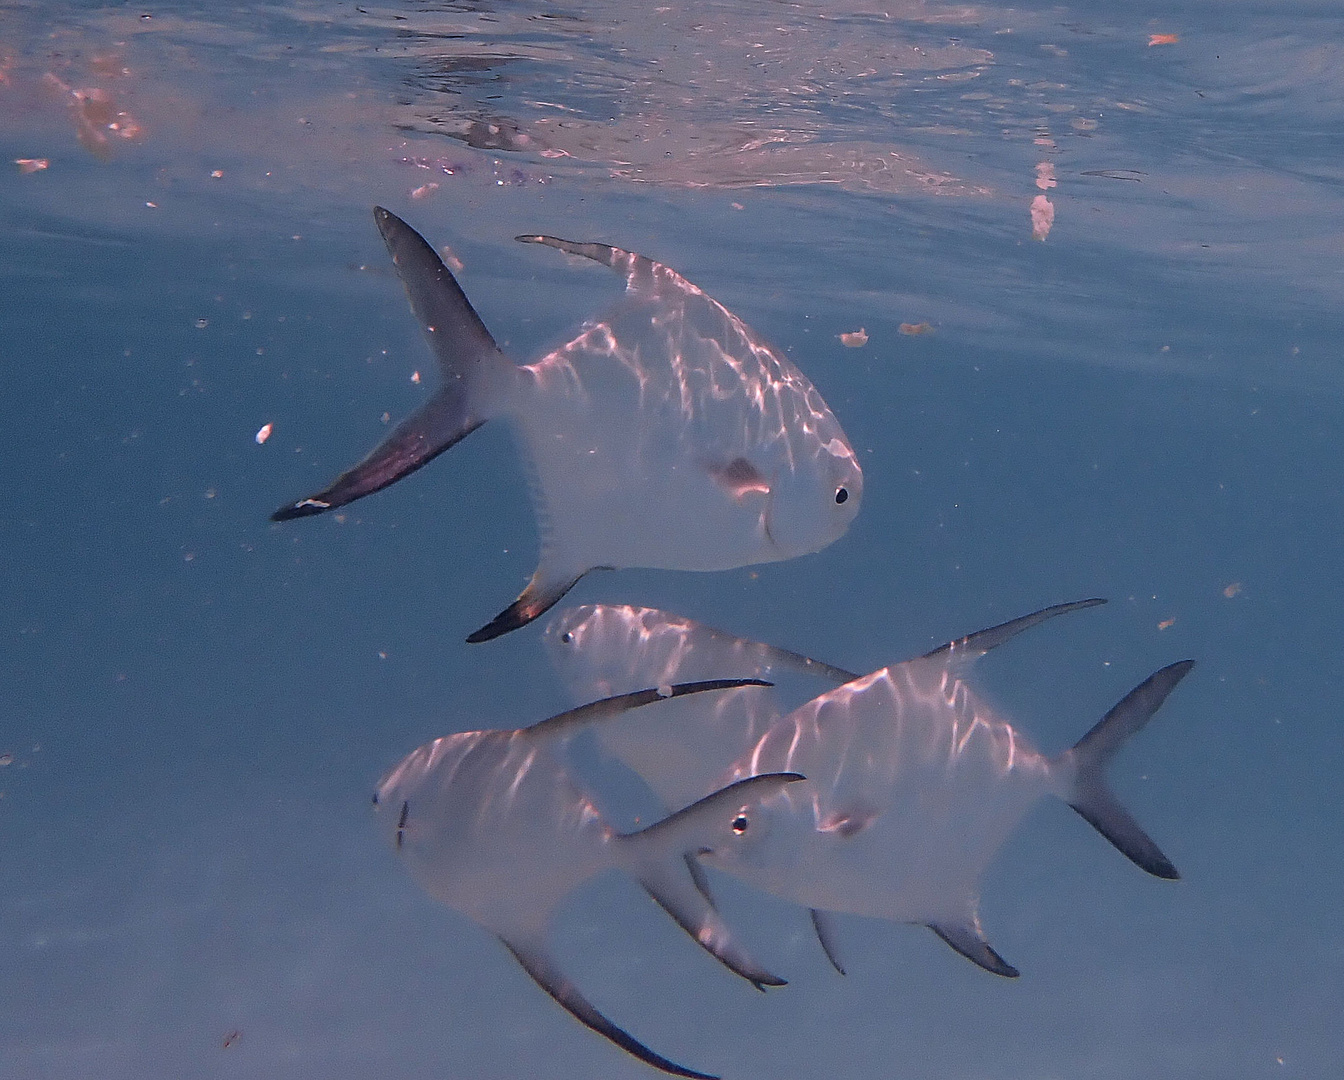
[[914, 783], [492, 824], [667, 434], [683, 748]]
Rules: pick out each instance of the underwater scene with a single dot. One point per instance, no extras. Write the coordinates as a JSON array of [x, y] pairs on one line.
[[854, 592]]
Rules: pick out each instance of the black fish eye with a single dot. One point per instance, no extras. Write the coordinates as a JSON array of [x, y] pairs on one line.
[[841, 496], [740, 824], [566, 637]]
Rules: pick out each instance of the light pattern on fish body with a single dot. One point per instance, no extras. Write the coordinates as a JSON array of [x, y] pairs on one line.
[[666, 434], [682, 749], [492, 824], [914, 785]]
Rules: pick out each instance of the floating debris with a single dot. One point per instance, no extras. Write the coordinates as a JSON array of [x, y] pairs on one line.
[[909, 329], [264, 433], [29, 165], [855, 339], [1042, 217]]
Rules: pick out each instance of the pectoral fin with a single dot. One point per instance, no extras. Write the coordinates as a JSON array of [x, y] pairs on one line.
[[739, 478], [967, 938], [537, 962]]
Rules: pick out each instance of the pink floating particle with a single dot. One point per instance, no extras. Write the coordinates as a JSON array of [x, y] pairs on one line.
[[264, 433]]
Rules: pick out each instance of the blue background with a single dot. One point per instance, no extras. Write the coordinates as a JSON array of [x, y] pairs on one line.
[[1146, 405]]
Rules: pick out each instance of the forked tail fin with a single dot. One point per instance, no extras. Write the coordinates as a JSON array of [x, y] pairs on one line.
[[1091, 796], [470, 366]]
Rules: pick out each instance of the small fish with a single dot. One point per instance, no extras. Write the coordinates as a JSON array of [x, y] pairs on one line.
[[914, 785], [492, 824], [682, 749], [665, 435]]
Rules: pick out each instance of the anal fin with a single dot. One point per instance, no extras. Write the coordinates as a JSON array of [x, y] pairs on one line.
[[541, 594], [968, 940], [537, 962]]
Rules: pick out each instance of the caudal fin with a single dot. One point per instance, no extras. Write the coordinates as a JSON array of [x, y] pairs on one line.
[[659, 857], [1091, 796], [469, 363]]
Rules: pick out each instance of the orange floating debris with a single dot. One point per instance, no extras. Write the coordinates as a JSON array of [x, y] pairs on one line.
[[854, 339], [1232, 590], [911, 328], [264, 433], [1167, 624], [32, 164], [1163, 39], [1042, 217]]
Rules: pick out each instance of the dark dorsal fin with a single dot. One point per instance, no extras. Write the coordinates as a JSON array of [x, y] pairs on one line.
[[973, 646], [613, 706]]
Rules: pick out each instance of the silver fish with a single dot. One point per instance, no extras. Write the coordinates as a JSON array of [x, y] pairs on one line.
[[666, 435], [681, 749], [914, 783], [492, 824]]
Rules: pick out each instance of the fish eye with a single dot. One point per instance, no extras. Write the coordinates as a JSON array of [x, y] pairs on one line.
[[740, 824], [567, 637], [841, 496]]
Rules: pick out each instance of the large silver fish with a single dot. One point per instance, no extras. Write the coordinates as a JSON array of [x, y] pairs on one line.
[[681, 749], [666, 435], [492, 824], [914, 783]]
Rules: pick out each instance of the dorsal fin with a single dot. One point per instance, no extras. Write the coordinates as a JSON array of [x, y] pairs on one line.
[[638, 269], [613, 706], [973, 646]]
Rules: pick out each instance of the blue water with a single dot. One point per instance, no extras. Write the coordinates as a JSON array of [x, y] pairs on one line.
[[1145, 405]]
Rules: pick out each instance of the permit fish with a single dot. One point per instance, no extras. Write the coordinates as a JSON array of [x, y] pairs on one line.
[[492, 824], [667, 434], [680, 749], [914, 783]]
